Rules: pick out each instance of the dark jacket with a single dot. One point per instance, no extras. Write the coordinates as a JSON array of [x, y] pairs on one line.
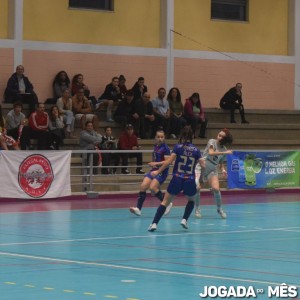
[[110, 93], [12, 92], [231, 97]]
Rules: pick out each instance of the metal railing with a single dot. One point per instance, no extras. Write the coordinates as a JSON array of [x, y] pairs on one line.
[[88, 179]]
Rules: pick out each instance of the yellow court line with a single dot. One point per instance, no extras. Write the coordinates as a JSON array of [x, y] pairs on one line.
[[11, 283], [111, 296], [69, 291], [29, 285]]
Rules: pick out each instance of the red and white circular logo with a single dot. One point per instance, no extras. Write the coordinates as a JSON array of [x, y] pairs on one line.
[[35, 175]]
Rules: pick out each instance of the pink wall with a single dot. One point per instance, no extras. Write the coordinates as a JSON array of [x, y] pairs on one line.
[[265, 85], [98, 69], [6, 67]]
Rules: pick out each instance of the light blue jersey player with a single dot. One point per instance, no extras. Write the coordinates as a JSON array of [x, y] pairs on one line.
[[160, 152], [213, 156], [185, 156]]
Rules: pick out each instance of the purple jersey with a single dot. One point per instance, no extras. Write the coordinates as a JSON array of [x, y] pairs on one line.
[[187, 156], [159, 153]]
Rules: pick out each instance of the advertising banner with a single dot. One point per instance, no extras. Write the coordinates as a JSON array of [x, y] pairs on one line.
[[27, 174], [263, 169]]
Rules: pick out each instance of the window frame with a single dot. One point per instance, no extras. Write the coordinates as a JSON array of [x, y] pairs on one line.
[[241, 5], [108, 3]]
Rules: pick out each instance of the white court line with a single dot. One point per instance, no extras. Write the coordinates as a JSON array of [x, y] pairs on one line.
[[150, 235], [166, 272]]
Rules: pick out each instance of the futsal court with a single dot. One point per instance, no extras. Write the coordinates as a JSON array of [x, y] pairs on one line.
[[95, 249]]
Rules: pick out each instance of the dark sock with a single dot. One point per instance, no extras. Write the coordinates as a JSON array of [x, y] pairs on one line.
[[159, 213], [160, 196], [188, 209], [141, 199]]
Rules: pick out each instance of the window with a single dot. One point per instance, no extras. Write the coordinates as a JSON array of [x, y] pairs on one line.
[[235, 10], [92, 4]]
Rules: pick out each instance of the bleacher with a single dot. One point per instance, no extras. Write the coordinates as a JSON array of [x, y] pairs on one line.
[[268, 130]]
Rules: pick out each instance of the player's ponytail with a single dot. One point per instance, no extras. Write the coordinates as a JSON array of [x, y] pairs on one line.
[[186, 135], [227, 139]]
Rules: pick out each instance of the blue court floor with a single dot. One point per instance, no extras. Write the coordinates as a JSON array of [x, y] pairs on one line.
[[95, 253]]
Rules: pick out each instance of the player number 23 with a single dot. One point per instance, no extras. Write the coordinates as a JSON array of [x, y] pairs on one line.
[[188, 163]]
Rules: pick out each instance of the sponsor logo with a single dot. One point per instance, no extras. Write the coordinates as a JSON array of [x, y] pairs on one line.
[[35, 175]]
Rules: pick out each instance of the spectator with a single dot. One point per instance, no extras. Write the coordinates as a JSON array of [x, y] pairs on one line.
[[161, 111], [56, 128], [91, 140], [77, 83], [232, 100], [6, 141], [39, 123], [149, 118], [194, 114], [17, 126], [109, 143], [20, 89], [129, 141], [177, 120], [64, 104], [110, 97], [83, 110], [139, 88], [61, 83], [122, 86], [126, 112]]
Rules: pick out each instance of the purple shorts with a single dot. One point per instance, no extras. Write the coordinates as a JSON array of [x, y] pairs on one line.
[[160, 177], [178, 184]]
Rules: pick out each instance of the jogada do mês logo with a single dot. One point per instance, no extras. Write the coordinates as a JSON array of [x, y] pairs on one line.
[[35, 175]]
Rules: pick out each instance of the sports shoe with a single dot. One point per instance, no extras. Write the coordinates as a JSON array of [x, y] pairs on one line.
[[126, 172], [173, 136], [168, 208], [184, 224], [222, 213], [140, 171], [110, 120], [198, 213], [152, 227], [136, 211]]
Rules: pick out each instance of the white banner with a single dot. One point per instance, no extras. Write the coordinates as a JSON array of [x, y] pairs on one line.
[[29, 174]]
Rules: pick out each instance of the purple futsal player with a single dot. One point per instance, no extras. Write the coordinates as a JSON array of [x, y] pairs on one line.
[[160, 152], [186, 156]]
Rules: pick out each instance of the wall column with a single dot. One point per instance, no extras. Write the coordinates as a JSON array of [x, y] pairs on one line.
[[167, 24], [15, 27], [294, 45]]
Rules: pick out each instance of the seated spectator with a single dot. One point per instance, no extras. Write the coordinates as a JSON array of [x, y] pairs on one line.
[[149, 118], [129, 141], [161, 111], [194, 114], [64, 104], [20, 89], [56, 128], [139, 88], [110, 97], [126, 112], [232, 100], [91, 140], [6, 141], [177, 120], [122, 86], [83, 110], [109, 143], [38, 124], [77, 83], [17, 126], [61, 83]]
